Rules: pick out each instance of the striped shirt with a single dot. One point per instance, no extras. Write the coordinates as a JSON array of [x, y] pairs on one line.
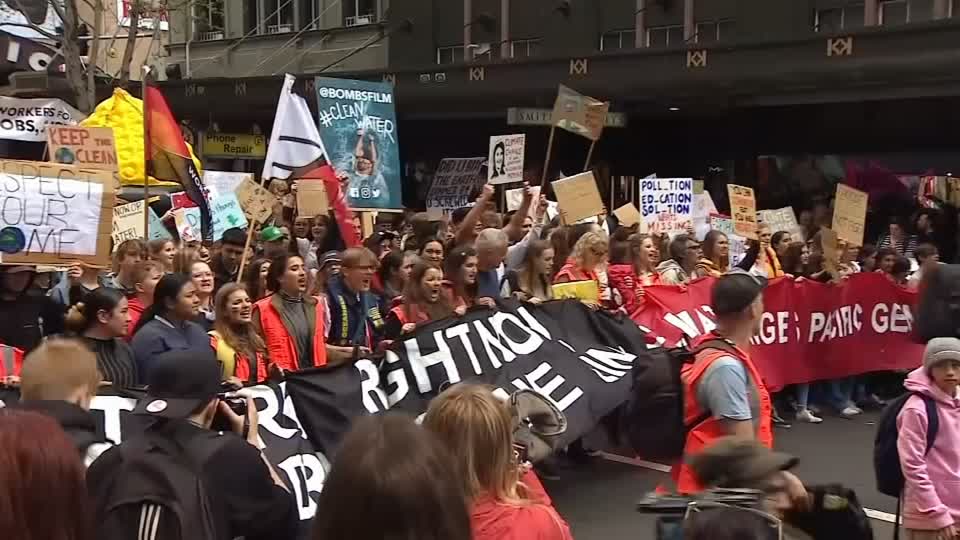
[[906, 247], [114, 361]]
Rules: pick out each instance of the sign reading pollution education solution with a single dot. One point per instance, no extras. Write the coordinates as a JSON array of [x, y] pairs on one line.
[[358, 126]]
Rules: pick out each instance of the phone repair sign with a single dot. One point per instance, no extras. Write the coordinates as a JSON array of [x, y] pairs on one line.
[[27, 119]]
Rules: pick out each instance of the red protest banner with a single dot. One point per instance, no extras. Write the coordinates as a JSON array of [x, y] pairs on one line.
[[809, 331]]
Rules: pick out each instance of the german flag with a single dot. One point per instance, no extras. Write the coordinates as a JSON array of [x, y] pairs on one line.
[[166, 155]]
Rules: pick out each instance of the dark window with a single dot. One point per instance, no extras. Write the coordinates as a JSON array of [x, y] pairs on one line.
[[706, 32], [665, 36], [618, 39], [449, 55], [208, 20], [829, 20], [725, 30], [893, 12], [359, 12]]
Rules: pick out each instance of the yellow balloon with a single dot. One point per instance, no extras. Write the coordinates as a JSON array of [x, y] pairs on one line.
[[124, 113]]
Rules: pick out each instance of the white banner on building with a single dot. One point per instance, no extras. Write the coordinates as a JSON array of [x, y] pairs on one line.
[[27, 119]]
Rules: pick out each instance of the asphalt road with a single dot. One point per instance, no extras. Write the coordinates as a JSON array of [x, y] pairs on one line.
[[598, 499]]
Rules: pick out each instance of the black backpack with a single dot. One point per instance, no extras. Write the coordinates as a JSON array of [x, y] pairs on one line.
[[938, 311], [886, 458], [652, 420], [156, 492]]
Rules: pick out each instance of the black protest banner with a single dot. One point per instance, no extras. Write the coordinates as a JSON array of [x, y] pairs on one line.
[[579, 359], [284, 442]]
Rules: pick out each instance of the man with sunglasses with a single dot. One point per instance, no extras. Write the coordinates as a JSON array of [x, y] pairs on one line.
[[723, 392]]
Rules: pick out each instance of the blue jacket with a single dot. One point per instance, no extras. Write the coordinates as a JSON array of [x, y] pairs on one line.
[[159, 336], [355, 319]]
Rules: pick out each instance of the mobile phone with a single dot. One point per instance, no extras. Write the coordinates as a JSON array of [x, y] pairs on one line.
[[521, 452]]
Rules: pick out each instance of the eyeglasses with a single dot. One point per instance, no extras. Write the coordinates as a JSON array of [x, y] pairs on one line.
[[774, 522]]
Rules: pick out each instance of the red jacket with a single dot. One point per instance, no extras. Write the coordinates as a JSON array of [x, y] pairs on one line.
[[492, 520], [11, 360], [135, 308], [624, 279]]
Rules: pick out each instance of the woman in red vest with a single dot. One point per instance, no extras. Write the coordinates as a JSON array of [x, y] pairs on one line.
[[460, 271], [291, 323], [723, 391], [629, 280], [588, 260], [11, 361], [240, 350], [421, 302]]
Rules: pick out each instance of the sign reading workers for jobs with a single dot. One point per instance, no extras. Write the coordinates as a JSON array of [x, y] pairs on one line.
[[89, 146], [743, 207], [28, 119], [666, 204], [54, 214], [455, 182]]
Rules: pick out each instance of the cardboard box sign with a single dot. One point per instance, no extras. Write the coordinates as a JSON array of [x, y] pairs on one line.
[[312, 198], [743, 206], [92, 147], [55, 214], [578, 197], [257, 202]]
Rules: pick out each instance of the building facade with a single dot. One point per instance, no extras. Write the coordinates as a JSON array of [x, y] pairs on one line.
[[702, 83]]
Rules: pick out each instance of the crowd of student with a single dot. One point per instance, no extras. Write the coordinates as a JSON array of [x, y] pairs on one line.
[[187, 321]]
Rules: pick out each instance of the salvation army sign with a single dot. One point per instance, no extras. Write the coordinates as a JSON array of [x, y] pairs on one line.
[[809, 331]]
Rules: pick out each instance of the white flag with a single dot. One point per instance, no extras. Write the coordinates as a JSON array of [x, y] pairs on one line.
[[295, 140]]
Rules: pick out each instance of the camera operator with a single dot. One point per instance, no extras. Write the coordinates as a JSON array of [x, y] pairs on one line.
[[240, 492], [816, 512]]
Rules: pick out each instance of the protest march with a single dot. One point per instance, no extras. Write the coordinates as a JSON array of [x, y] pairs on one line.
[[293, 353]]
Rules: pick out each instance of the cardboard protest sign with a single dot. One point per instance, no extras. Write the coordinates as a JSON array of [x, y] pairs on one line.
[[703, 208], [312, 198], [358, 125], [188, 224], [698, 187], [578, 197], [579, 114], [222, 182], [55, 214], [587, 291], [515, 199], [256, 201], [850, 214], [128, 224], [738, 244], [782, 219], [628, 215], [454, 182], [92, 147], [743, 207], [505, 161], [666, 204]]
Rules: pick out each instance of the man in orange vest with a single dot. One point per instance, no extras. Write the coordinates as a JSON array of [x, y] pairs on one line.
[[11, 361], [724, 394]]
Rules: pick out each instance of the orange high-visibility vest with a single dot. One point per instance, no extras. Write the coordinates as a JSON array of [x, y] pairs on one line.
[[11, 360], [283, 349]]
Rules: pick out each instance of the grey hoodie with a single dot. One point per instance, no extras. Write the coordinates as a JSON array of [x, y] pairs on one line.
[[671, 273]]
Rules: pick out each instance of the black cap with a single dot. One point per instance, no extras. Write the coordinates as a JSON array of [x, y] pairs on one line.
[[179, 382], [735, 291], [234, 236]]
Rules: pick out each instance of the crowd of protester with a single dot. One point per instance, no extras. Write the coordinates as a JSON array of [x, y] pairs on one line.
[[182, 321]]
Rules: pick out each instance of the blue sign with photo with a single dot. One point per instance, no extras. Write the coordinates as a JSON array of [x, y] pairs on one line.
[[358, 125]]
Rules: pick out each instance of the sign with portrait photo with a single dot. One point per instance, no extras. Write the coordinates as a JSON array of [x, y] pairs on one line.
[[505, 163]]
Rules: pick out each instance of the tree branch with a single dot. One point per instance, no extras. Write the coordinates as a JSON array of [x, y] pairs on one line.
[[94, 51]]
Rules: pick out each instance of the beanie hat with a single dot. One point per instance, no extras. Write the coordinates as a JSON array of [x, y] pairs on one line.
[[939, 350]]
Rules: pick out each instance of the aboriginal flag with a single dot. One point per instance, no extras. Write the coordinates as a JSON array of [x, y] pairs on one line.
[[166, 155]]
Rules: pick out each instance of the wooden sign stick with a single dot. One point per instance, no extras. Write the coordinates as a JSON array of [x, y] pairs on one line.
[[546, 162], [586, 164], [246, 249]]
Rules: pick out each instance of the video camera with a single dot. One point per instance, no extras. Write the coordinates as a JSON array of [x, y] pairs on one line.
[[674, 510]]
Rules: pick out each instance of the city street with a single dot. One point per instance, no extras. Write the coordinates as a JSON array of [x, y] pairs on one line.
[[598, 500]]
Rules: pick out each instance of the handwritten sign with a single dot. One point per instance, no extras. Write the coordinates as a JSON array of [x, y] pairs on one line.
[[53, 214], [224, 181], [312, 198], [628, 215], [505, 163], [743, 206], [92, 147], [128, 224], [455, 181], [578, 197], [579, 114], [225, 212], [738, 244], [849, 214], [782, 219], [515, 199], [666, 204], [257, 202], [188, 223]]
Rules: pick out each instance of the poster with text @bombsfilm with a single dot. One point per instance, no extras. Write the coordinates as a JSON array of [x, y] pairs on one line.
[[358, 125]]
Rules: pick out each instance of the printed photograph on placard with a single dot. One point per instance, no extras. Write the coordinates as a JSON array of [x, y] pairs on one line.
[[358, 126], [506, 159]]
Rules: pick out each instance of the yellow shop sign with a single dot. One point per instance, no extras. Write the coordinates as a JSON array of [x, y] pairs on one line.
[[234, 145]]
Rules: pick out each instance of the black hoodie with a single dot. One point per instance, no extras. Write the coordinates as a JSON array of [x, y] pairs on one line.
[[78, 424]]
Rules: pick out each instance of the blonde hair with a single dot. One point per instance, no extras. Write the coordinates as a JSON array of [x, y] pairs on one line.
[[592, 240], [57, 369], [477, 428]]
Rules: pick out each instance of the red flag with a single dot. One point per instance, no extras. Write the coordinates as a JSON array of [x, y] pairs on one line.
[[167, 156]]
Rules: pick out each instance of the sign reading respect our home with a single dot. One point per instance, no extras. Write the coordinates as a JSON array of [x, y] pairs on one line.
[[234, 146]]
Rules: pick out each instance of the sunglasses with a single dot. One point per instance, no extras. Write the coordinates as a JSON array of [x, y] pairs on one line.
[[775, 524]]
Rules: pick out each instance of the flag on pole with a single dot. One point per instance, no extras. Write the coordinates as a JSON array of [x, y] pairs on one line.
[[167, 157], [296, 152], [579, 114]]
